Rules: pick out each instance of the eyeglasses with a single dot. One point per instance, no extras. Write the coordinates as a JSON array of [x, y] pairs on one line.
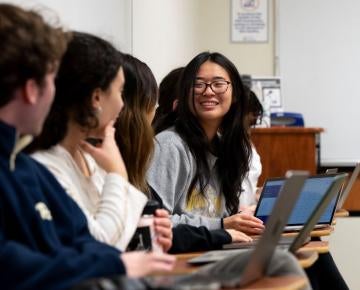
[[218, 87]]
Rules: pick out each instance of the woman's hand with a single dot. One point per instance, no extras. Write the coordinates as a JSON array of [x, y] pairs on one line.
[[237, 236], [163, 229], [245, 223], [107, 154], [140, 264], [248, 209]]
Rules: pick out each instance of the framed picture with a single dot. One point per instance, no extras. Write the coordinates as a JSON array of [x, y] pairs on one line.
[[249, 21]]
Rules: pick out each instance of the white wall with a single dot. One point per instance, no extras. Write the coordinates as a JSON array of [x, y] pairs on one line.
[[110, 19], [168, 33], [320, 69], [163, 33], [214, 32]]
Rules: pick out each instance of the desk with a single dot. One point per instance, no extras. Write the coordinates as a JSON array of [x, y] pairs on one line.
[[321, 247], [307, 258], [341, 213], [326, 231], [284, 148], [266, 283]]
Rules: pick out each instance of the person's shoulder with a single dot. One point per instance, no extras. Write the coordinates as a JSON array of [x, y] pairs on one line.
[[169, 136], [53, 155]]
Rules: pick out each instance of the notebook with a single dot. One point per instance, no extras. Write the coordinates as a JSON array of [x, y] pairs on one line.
[[314, 189], [345, 192], [227, 273]]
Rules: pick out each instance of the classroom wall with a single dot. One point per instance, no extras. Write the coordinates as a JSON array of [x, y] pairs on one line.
[[214, 25], [319, 44], [110, 19], [163, 34], [167, 34]]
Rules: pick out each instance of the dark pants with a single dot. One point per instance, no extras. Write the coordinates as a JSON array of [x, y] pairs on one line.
[[324, 274]]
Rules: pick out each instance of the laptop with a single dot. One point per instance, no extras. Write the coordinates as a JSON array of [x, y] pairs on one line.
[[345, 192], [227, 273], [314, 189], [294, 243], [319, 210]]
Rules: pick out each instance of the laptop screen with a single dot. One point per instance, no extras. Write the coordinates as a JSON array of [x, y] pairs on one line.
[[314, 189]]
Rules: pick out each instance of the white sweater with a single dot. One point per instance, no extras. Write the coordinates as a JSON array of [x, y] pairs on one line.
[[249, 184], [111, 205]]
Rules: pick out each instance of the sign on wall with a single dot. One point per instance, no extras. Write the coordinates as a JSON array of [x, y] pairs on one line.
[[249, 20]]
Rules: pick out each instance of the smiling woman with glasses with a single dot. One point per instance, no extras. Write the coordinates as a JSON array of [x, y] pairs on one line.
[[201, 161]]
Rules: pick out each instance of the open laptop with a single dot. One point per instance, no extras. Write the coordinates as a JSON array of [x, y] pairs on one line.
[[227, 273], [294, 243], [346, 190], [319, 210], [314, 189]]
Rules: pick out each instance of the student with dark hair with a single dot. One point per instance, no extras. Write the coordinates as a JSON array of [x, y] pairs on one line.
[[255, 110], [44, 239], [165, 114], [140, 97], [134, 137], [248, 199], [325, 267], [199, 164], [87, 102]]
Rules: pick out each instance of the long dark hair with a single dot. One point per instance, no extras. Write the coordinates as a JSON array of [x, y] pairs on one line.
[[232, 148], [255, 109], [134, 134], [168, 92], [89, 63]]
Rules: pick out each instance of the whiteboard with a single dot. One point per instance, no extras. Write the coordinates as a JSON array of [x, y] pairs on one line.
[[319, 63]]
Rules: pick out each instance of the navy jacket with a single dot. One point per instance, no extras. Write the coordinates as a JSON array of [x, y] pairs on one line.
[[44, 239]]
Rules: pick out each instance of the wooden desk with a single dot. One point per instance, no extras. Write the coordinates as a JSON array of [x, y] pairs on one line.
[[284, 148], [307, 258], [326, 231], [321, 247], [266, 283], [341, 213]]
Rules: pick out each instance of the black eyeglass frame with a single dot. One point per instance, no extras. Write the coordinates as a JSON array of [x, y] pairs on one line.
[[211, 86]]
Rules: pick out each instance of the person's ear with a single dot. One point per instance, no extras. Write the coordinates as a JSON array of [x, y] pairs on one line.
[[31, 92], [96, 99], [175, 104]]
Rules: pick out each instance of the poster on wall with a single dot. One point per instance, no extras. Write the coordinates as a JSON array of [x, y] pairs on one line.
[[249, 21]]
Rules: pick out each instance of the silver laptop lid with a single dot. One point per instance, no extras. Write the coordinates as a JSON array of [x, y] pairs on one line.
[[282, 209], [318, 211], [314, 189]]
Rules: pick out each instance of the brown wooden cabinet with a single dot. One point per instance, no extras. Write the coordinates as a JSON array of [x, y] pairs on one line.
[[284, 148]]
